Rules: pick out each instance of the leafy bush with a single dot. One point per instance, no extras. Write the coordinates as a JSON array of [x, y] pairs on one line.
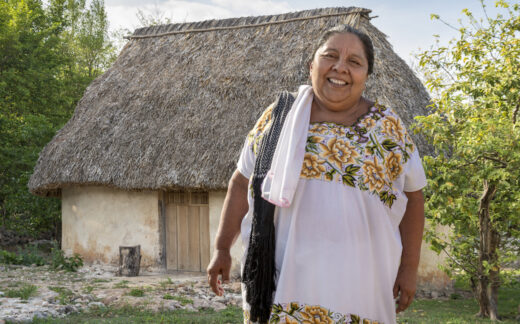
[[60, 262], [27, 256], [7, 257]]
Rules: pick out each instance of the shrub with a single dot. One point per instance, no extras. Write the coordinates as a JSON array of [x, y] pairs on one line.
[[60, 262]]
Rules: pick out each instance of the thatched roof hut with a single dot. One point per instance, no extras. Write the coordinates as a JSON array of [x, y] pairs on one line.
[[173, 110], [147, 155]]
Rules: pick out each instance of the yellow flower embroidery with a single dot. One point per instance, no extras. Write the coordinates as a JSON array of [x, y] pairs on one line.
[[373, 174], [338, 152], [319, 129], [312, 167], [338, 130], [393, 165], [368, 122], [288, 320], [410, 142], [316, 315], [393, 128], [263, 121]]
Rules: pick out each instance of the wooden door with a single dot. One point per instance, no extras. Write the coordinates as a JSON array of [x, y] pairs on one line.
[[187, 231]]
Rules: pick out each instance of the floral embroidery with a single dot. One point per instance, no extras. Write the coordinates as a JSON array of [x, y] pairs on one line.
[[338, 152], [393, 128], [264, 122], [393, 165], [373, 174], [312, 167], [369, 155], [368, 123], [295, 313]]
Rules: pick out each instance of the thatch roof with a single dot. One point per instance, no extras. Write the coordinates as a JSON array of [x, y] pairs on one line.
[[174, 109]]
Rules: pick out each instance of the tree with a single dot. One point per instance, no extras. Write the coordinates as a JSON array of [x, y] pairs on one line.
[[48, 56], [474, 176]]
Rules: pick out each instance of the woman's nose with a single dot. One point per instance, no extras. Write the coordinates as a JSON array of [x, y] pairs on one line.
[[340, 66]]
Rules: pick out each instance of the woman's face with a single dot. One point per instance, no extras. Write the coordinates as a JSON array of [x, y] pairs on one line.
[[339, 71]]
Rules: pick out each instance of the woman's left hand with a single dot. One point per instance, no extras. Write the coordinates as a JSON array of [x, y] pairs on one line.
[[411, 229], [405, 286]]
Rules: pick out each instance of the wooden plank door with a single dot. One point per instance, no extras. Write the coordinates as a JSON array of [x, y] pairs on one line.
[[187, 231]]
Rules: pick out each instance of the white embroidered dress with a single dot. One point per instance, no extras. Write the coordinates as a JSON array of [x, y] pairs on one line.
[[338, 245]]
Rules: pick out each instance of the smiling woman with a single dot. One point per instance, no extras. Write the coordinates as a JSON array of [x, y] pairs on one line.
[[330, 186]]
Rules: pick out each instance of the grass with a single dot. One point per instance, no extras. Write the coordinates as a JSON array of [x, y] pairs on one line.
[[460, 311], [122, 284], [136, 292], [166, 282], [183, 300], [65, 294], [129, 314], [25, 291]]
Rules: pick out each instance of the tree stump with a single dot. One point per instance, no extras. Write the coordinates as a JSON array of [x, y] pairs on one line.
[[129, 260]]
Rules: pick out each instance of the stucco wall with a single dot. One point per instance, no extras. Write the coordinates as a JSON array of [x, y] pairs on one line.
[[429, 274], [216, 201], [97, 220]]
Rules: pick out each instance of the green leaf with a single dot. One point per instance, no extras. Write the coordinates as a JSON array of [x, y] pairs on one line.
[[349, 180], [389, 145]]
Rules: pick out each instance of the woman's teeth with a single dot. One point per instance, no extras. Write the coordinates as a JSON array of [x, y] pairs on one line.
[[336, 81]]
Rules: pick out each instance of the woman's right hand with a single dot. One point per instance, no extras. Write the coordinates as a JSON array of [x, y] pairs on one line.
[[220, 264]]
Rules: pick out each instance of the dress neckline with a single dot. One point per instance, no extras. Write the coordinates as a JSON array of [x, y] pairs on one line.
[[368, 113]]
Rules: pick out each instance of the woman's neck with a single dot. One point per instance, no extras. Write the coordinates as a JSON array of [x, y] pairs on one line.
[[347, 117]]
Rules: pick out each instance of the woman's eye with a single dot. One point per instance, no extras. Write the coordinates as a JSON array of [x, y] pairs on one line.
[[355, 62]]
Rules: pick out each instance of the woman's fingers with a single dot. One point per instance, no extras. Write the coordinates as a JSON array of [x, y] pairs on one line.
[[214, 283], [405, 299]]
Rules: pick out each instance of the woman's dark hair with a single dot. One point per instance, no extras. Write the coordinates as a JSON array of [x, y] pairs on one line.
[[343, 29]]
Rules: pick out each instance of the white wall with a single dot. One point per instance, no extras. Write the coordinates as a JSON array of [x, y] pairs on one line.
[[216, 202], [97, 220]]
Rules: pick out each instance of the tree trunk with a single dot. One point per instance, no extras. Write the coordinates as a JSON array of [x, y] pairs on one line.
[[489, 238]]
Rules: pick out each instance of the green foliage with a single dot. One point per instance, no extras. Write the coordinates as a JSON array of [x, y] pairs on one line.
[[65, 294], [61, 262], [50, 53], [474, 127], [183, 300], [28, 256], [135, 292], [24, 292], [7, 257]]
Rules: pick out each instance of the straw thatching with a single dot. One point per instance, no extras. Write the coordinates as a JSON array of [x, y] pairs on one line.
[[174, 109]]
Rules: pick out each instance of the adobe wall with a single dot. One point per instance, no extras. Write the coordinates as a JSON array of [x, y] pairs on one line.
[[97, 220]]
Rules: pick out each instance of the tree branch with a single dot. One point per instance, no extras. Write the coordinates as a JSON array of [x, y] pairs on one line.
[[474, 272], [515, 112], [487, 157]]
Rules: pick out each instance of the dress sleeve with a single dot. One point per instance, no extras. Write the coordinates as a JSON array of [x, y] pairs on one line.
[[414, 179], [246, 161]]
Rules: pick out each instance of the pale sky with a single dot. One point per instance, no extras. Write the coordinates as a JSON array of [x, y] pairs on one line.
[[406, 22]]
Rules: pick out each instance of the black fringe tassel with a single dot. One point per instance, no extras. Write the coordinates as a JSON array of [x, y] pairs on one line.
[[259, 269], [259, 274]]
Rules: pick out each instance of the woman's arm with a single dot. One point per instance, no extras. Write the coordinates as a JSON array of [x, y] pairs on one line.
[[234, 209], [411, 229]]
